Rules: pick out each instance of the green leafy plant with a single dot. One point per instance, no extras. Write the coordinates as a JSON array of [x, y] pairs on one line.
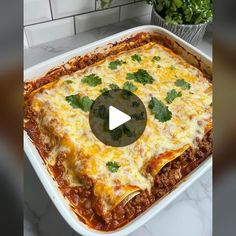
[[179, 11], [183, 11]]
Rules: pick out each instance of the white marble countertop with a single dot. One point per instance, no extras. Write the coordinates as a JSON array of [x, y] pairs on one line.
[[189, 215]]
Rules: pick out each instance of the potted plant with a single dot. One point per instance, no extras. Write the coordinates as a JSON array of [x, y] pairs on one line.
[[186, 18]]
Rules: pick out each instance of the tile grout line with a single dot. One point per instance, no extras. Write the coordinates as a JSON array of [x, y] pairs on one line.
[[88, 12], [95, 6], [119, 13], [50, 5], [53, 19], [74, 25]]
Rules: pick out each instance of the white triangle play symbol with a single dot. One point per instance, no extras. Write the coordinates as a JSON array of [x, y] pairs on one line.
[[117, 118]]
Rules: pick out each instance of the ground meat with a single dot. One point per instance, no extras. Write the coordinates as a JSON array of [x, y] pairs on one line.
[[82, 197], [168, 177]]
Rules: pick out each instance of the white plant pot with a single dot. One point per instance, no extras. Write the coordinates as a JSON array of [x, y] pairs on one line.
[[190, 33]]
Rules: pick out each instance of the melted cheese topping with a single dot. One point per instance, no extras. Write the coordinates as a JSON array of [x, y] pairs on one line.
[[70, 132]]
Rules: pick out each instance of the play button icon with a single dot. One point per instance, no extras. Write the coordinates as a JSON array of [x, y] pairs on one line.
[[117, 118]]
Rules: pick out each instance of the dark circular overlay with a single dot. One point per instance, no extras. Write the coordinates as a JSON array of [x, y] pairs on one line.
[[126, 133]]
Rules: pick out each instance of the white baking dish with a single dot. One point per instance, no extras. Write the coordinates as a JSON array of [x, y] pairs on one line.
[[40, 168]]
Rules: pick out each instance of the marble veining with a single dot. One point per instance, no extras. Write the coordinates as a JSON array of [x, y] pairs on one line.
[[188, 215]]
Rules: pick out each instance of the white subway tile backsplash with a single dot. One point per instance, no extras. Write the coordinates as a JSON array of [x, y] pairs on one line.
[[114, 3], [47, 20], [36, 11], [45, 32], [134, 10], [96, 19], [62, 8]]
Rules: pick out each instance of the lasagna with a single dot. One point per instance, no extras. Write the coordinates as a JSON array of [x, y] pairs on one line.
[[108, 186]]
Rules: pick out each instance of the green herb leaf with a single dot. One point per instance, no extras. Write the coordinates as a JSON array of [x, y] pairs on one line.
[[130, 76], [76, 101], [114, 86], [172, 67], [73, 100], [114, 64], [128, 132], [140, 76], [92, 80], [86, 103], [116, 134], [129, 86], [112, 166], [135, 104], [172, 95], [160, 110], [104, 90], [182, 84], [138, 116], [136, 57], [156, 58], [102, 112], [69, 81]]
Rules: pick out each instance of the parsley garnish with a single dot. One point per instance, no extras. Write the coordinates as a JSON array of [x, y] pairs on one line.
[[182, 84], [138, 116], [160, 110], [84, 103], [116, 134], [104, 90], [114, 86], [172, 67], [156, 58], [69, 81], [136, 57], [140, 76], [171, 95], [102, 112], [129, 86], [112, 166], [114, 64], [74, 100], [135, 104], [128, 132], [92, 80]]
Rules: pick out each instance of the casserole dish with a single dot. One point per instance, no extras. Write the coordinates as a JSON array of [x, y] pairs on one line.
[[186, 51]]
